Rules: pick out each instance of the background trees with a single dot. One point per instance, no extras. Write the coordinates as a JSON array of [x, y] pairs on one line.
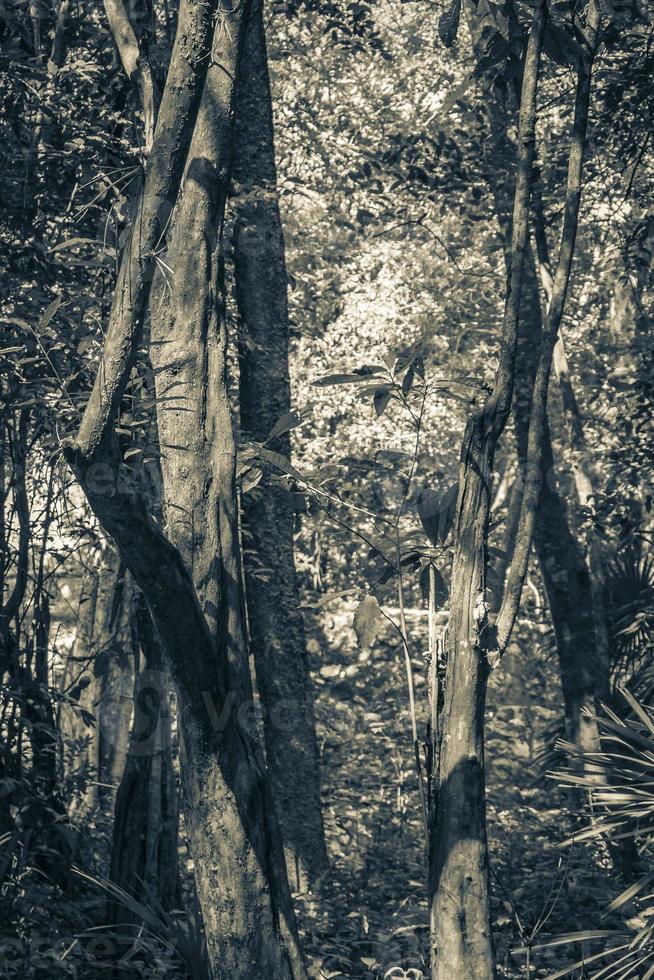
[[312, 436]]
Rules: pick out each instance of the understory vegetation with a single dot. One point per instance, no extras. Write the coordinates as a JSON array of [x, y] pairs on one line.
[[326, 501]]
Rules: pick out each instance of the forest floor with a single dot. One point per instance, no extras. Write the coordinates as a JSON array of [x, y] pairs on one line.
[[370, 918]]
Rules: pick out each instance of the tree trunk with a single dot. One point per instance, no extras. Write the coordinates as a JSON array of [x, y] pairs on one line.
[[459, 894], [276, 624], [561, 559], [113, 682], [584, 678], [191, 579], [77, 684], [461, 940], [144, 849], [460, 915]]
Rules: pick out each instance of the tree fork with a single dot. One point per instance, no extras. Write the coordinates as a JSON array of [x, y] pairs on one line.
[[240, 871], [459, 894]]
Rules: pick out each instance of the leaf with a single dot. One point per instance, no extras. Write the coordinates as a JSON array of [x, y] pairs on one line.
[[391, 457], [337, 379], [49, 313], [367, 620], [629, 893], [386, 574], [85, 344], [289, 421], [280, 461], [447, 508], [365, 217], [428, 512], [441, 591], [72, 242], [573, 937], [23, 324], [561, 45], [408, 381], [251, 479], [380, 400], [448, 24], [67, 834]]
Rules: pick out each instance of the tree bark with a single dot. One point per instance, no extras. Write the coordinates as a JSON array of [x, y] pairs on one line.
[[113, 682], [461, 939], [460, 915], [144, 848], [77, 684], [583, 476], [459, 895], [191, 580], [133, 51], [568, 586], [583, 670], [276, 624]]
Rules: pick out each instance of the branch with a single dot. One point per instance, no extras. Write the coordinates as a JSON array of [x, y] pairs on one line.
[[162, 576], [135, 62], [533, 475], [582, 464], [58, 50], [124, 37], [21, 505], [163, 172], [498, 405]]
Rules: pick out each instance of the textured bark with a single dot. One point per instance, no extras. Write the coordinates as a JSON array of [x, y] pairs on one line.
[[276, 624], [460, 929], [568, 585], [100, 679], [144, 849], [134, 56], [113, 671], [461, 939], [191, 579], [584, 674], [77, 684], [163, 173], [188, 352], [234, 837]]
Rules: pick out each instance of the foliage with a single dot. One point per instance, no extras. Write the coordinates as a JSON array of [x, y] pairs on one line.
[[618, 780], [396, 275]]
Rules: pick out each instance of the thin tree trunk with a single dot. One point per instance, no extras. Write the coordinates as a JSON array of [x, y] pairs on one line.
[[144, 849], [459, 895], [37, 700], [594, 671], [276, 624], [460, 914], [113, 672], [584, 673], [133, 51], [568, 586], [78, 736]]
